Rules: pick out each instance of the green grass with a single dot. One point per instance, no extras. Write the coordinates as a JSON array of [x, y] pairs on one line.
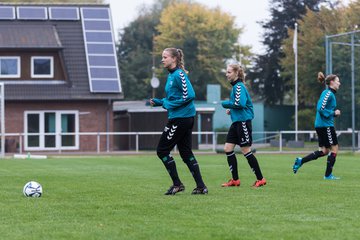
[[122, 198]]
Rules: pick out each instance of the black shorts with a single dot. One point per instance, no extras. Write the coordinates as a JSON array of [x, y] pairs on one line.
[[327, 136], [240, 133]]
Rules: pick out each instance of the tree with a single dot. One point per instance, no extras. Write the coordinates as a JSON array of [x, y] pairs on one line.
[[135, 52], [208, 38], [267, 81]]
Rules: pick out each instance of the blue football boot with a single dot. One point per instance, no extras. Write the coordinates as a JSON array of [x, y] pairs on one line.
[[331, 177], [297, 165]]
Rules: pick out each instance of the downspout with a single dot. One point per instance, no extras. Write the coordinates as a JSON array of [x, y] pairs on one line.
[[109, 108]]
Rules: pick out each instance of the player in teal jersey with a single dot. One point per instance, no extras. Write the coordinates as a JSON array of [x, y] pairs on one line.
[[240, 108], [324, 125], [179, 103]]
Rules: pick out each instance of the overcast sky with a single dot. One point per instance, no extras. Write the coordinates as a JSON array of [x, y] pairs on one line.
[[247, 13]]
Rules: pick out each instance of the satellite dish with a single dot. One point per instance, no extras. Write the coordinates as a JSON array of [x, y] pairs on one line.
[[155, 83]]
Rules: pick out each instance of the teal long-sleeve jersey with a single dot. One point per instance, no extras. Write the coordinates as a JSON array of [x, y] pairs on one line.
[[180, 95], [325, 109], [240, 104]]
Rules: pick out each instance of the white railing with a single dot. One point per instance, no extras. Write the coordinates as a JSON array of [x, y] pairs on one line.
[[271, 141]]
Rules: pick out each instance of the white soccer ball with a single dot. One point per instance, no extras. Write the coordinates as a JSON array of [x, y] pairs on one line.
[[32, 189]]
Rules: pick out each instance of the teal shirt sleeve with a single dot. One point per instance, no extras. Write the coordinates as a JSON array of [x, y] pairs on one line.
[[238, 99], [324, 107]]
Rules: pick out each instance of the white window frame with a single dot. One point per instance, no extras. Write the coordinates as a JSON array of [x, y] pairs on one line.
[[18, 67], [57, 133], [51, 75]]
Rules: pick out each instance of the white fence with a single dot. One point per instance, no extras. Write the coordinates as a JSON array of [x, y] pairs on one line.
[[276, 141]]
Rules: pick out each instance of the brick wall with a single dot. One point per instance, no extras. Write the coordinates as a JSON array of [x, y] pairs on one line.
[[92, 118]]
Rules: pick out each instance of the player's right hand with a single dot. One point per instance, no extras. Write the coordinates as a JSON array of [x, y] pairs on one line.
[[337, 112], [151, 102]]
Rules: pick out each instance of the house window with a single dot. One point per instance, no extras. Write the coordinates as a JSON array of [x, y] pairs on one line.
[[52, 130], [42, 67], [33, 129], [9, 67], [68, 128]]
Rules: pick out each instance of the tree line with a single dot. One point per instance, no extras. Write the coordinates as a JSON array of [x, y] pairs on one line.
[[209, 38]]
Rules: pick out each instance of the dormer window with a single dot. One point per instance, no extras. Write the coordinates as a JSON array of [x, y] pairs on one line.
[[9, 67], [42, 67]]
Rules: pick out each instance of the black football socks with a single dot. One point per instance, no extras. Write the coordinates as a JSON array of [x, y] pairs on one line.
[[330, 163], [194, 168], [254, 165], [232, 161], [170, 165], [312, 156]]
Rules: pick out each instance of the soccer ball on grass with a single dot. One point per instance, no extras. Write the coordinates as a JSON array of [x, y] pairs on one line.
[[32, 189]]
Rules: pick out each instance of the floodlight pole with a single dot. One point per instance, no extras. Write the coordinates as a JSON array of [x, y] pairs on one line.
[[296, 82], [353, 90], [327, 55]]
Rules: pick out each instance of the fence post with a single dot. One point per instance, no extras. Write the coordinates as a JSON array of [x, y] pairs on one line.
[[20, 143], [107, 142], [98, 143], [137, 142], [214, 141], [280, 141], [60, 140]]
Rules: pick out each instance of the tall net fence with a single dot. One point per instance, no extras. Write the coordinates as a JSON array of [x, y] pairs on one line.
[[343, 59]]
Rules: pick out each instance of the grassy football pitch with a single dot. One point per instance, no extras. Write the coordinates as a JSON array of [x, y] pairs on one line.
[[122, 197]]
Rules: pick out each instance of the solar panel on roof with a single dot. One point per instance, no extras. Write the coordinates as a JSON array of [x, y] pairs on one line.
[[100, 50], [103, 73], [102, 61], [64, 13], [32, 13], [97, 25], [98, 36], [7, 13], [104, 85], [96, 13]]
